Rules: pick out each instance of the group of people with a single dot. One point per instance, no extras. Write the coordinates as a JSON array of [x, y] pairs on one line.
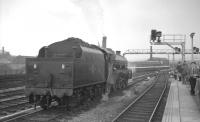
[[188, 73]]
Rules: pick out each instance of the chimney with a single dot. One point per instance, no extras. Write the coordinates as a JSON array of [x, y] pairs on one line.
[[104, 42], [118, 52], [3, 50]]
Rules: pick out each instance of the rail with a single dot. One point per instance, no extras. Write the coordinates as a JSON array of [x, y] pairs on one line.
[[131, 109]]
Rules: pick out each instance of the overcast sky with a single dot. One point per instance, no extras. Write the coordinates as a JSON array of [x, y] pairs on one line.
[[27, 25]]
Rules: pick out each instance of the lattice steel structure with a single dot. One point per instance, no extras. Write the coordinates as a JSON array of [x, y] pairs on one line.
[[154, 51], [171, 40]]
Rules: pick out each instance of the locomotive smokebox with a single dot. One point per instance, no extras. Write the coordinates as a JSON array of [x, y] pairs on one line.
[[118, 52], [104, 42]]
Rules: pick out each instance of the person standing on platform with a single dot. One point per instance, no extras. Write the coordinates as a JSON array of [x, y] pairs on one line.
[[179, 70], [197, 86], [193, 77], [185, 72]]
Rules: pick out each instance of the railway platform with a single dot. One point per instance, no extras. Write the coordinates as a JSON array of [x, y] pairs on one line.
[[181, 106]]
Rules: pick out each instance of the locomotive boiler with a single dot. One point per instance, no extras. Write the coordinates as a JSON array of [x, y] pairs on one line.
[[71, 71]]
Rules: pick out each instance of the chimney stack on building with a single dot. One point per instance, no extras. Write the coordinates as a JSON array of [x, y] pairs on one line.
[[3, 50]]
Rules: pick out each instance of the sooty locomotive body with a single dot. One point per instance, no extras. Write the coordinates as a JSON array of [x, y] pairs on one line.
[[71, 71]]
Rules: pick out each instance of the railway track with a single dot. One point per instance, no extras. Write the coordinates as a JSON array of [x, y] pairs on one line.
[[6, 93], [22, 111], [11, 81], [14, 104], [161, 107], [12, 77], [143, 108], [140, 77], [11, 94], [12, 100]]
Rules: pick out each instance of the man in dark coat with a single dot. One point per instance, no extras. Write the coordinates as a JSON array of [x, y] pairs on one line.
[[194, 71], [180, 70], [185, 72]]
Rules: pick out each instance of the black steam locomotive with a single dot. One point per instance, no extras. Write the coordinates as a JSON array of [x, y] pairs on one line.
[[71, 71]]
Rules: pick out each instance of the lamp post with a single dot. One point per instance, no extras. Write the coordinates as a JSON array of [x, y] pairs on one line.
[[191, 36]]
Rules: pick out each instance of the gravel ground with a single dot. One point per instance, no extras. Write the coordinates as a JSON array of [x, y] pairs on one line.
[[105, 111]]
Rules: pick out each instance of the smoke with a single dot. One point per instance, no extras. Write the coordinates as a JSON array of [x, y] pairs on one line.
[[105, 97], [94, 15]]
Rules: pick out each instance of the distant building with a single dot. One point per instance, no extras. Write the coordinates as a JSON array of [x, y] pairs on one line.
[[11, 64], [4, 61], [4, 53]]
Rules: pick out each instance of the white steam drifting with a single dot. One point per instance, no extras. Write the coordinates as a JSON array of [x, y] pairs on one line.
[[94, 15]]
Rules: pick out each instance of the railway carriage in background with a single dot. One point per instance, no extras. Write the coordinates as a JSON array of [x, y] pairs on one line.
[[71, 71], [151, 65]]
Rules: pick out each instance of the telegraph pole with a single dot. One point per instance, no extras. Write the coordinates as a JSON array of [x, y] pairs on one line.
[[151, 49], [191, 36], [151, 52]]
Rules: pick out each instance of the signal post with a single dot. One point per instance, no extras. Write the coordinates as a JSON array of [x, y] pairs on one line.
[[169, 40]]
